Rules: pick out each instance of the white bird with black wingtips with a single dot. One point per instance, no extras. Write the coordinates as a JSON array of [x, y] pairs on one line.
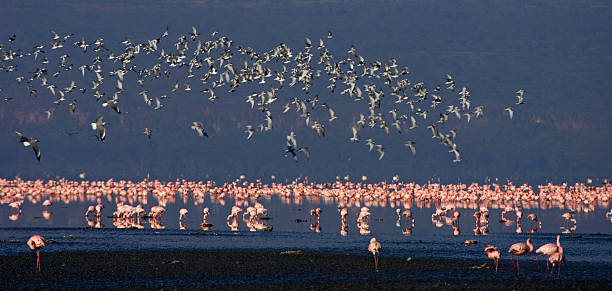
[[99, 126], [31, 142]]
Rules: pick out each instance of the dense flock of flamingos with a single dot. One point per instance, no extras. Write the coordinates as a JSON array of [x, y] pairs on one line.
[[511, 199]]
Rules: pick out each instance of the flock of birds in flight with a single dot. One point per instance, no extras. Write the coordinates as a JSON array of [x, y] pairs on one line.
[[212, 63]]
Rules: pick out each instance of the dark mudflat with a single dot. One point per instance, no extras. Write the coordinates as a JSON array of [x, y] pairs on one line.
[[274, 270]]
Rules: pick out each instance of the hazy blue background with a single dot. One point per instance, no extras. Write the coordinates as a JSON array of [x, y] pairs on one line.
[[557, 51]]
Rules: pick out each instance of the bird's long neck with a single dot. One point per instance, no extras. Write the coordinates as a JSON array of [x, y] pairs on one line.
[[558, 242]]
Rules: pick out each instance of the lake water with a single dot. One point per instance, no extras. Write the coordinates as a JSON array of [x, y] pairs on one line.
[[292, 228]]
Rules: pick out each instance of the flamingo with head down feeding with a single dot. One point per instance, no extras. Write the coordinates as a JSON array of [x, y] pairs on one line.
[[493, 253], [374, 248], [36, 242], [548, 249]]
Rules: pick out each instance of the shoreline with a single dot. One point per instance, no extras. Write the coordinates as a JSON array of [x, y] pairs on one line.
[[275, 269]]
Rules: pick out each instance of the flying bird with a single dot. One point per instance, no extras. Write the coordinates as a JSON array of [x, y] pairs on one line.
[[520, 96], [199, 128], [99, 126], [355, 137], [291, 141], [147, 132], [410, 144], [50, 112], [31, 142], [510, 111], [249, 131], [380, 149], [370, 144], [112, 103]]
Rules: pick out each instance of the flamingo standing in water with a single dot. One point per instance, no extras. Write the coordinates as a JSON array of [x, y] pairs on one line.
[[344, 227], [493, 253], [232, 219], [374, 248], [36, 242], [205, 225], [548, 249], [556, 259], [47, 203], [182, 213], [519, 249]]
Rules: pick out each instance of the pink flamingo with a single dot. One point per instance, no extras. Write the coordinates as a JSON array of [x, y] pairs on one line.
[[47, 203], [399, 217], [205, 225], [493, 253], [344, 227], [343, 214], [456, 215], [374, 248], [90, 209], [548, 249], [556, 259], [232, 219], [16, 205], [519, 249], [36, 242], [182, 213]]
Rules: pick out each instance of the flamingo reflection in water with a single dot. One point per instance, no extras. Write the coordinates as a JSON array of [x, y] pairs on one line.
[[503, 218], [409, 220], [13, 216], [569, 223], [534, 218]]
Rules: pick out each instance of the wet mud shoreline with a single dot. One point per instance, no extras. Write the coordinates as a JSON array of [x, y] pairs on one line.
[[278, 269]]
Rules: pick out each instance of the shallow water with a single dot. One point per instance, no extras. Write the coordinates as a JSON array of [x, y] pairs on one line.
[[587, 248], [589, 242]]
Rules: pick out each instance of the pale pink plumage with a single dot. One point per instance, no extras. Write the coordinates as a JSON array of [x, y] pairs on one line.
[[493, 253], [556, 259], [519, 249], [374, 248], [36, 242]]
